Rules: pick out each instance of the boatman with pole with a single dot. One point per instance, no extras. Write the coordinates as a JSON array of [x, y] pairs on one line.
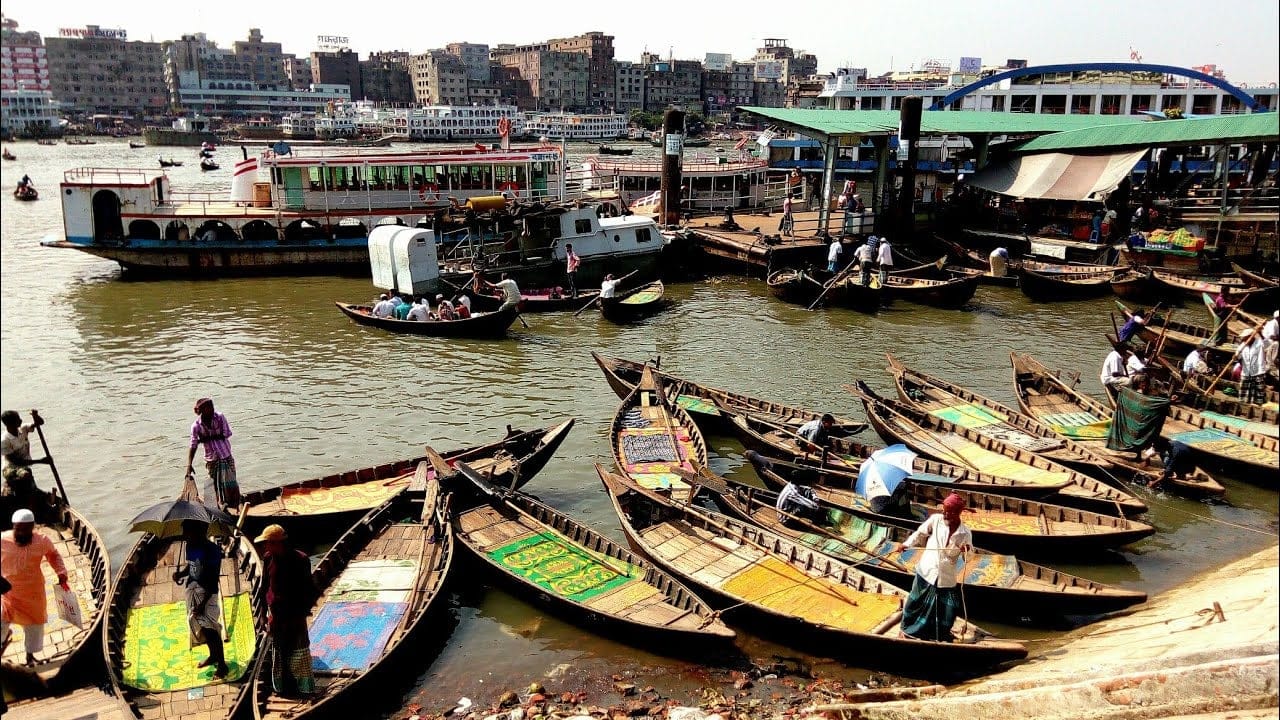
[[934, 602]]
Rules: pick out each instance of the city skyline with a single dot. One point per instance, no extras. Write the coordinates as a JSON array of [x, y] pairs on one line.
[[1242, 40]]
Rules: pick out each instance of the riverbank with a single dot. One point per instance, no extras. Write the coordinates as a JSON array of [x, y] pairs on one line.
[[1207, 647]]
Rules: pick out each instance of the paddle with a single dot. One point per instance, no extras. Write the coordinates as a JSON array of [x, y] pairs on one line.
[[35, 415], [832, 283], [596, 299]]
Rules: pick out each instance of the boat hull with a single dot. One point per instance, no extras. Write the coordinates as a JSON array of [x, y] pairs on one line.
[[480, 325]]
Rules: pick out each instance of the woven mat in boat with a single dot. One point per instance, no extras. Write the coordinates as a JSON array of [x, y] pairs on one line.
[[782, 587], [352, 635], [1214, 440], [649, 448], [157, 650], [1240, 423], [972, 455], [626, 596], [386, 581], [357, 496], [968, 415], [563, 568], [1007, 523], [1078, 425], [697, 405]]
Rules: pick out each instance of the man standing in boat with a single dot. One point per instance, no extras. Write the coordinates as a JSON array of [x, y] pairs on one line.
[[932, 605], [204, 615], [571, 263], [21, 551], [290, 594], [510, 291], [20, 489], [212, 429]]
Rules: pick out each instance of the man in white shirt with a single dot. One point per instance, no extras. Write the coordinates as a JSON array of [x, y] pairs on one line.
[[420, 312], [1114, 374], [510, 291], [1194, 364], [15, 446], [865, 256], [833, 255], [609, 288], [934, 602], [1271, 331], [385, 307], [884, 257], [1253, 368], [999, 259], [1135, 365], [815, 433]]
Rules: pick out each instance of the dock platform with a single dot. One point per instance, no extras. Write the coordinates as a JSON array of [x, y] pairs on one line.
[[760, 252], [78, 704]]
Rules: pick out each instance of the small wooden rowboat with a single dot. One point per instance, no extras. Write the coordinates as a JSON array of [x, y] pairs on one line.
[[654, 440], [1135, 285], [153, 671], [327, 505], [998, 522], [952, 442], [1235, 289], [1048, 287], [538, 300], [1191, 391], [633, 305], [1044, 395], [377, 584], [798, 287], [964, 407], [567, 567], [1179, 337], [949, 293], [1253, 279], [1240, 321], [88, 574], [844, 459], [998, 587], [479, 325], [792, 592], [700, 400]]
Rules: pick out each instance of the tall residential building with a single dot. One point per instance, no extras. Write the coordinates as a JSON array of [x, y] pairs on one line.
[[770, 93], [298, 70], [385, 78], [777, 61], [439, 78], [97, 70], [23, 59], [629, 88], [475, 58], [598, 48], [555, 80], [199, 73], [728, 88], [677, 83], [337, 67]]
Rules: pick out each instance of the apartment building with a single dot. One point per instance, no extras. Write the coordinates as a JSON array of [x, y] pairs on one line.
[[601, 76], [554, 80], [629, 86], [385, 78], [439, 78], [98, 70], [474, 57], [298, 70], [674, 83], [337, 67]]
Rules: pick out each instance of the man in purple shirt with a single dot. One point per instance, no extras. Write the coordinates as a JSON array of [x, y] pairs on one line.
[[212, 429]]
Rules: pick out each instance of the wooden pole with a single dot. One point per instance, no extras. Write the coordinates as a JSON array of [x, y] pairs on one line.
[[673, 152]]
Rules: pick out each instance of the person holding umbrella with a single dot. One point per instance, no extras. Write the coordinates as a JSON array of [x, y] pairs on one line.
[[204, 566], [290, 594], [213, 431], [21, 551]]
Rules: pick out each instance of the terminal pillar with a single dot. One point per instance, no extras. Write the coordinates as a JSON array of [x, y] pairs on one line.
[[672, 153]]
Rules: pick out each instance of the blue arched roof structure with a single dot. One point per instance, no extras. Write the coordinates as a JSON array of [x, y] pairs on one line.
[[1236, 92]]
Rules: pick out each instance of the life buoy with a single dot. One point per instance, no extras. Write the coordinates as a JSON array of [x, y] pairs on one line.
[[512, 187], [431, 190]]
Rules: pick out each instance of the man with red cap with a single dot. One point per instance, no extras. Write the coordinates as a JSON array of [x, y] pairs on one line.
[[932, 606]]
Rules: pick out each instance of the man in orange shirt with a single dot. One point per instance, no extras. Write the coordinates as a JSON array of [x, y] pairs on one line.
[[25, 605]]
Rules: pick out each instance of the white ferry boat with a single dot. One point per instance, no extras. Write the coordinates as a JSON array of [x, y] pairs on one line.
[[571, 126], [306, 212]]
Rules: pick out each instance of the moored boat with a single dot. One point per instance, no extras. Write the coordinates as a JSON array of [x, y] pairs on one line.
[[652, 437], [330, 503], [634, 304], [480, 325], [953, 292], [377, 584], [552, 559], [797, 287], [996, 586], [1044, 395], [791, 591], [1177, 337], [954, 443], [26, 193], [1254, 279], [701, 400], [1048, 287], [1134, 285], [1180, 287], [537, 300]]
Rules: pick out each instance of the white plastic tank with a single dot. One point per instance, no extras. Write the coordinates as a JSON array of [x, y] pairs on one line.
[[404, 259]]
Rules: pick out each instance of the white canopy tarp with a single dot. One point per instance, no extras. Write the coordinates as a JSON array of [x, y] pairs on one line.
[[1059, 176]]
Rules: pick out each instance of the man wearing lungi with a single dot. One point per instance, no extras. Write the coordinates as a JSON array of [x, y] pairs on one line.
[[21, 551], [213, 431], [931, 608], [290, 594], [204, 565]]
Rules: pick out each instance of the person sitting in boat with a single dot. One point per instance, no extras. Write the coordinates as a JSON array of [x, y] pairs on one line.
[[999, 260], [1114, 373], [444, 309], [1195, 364], [609, 287], [799, 500], [814, 434], [420, 312], [1132, 325], [463, 308], [385, 308], [25, 182], [401, 309], [1174, 459]]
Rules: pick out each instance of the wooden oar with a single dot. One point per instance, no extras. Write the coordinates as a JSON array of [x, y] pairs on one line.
[[832, 283], [35, 415]]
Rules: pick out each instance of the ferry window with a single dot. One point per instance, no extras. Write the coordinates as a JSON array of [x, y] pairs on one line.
[[313, 175], [642, 235], [582, 226]]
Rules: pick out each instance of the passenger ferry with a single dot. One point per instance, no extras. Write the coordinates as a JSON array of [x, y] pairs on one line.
[[710, 184], [571, 126], [310, 211]]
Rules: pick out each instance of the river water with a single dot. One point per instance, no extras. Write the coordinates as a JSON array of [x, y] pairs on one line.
[[114, 367]]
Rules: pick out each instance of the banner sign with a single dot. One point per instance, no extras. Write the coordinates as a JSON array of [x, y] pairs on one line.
[[94, 32]]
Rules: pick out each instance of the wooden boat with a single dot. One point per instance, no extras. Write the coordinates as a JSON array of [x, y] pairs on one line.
[[207, 165], [135, 145], [535, 301], [609, 150], [567, 567], [166, 163], [80, 141], [331, 503], [790, 591], [479, 325], [1180, 338], [1135, 285], [153, 671], [1235, 289], [951, 293], [1195, 392], [26, 193], [653, 438], [1240, 321], [1254, 279], [88, 574], [996, 586], [1048, 268], [798, 287], [849, 292], [988, 417], [46, 141], [701, 400], [1048, 287], [999, 523], [633, 304], [377, 584], [952, 442], [1044, 394], [844, 459]]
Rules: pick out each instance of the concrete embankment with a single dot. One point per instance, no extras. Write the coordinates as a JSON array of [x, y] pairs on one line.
[[1207, 649]]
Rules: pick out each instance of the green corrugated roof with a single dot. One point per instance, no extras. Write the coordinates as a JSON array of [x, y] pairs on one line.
[[1191, 131], [935, 122]]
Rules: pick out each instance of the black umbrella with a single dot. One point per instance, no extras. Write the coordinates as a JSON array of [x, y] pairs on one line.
[[165, 519]]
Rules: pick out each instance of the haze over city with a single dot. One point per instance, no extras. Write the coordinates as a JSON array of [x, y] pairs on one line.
[[1239, 37]]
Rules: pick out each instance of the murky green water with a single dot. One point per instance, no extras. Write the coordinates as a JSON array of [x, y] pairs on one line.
[[114, 367]]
